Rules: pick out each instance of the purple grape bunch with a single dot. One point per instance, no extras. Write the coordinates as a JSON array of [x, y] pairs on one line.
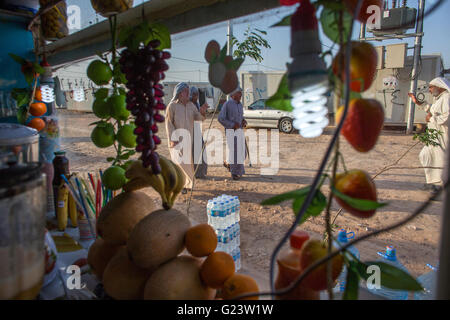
[[144, 70]]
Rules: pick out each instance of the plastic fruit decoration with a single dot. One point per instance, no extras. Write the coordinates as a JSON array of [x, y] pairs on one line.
[[359, 185], [38, 109], [363, 124], [312, 251], [363, 65], [37, 123], [363, 16], [222, 68]]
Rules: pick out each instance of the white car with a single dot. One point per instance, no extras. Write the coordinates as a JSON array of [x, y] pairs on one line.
[[258, 114]]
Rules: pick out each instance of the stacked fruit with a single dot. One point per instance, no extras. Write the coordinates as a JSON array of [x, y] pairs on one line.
[[54, 21], [168, 183], [139, 254], [143, 70]]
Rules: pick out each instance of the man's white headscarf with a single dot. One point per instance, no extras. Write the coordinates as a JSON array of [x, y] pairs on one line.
[[441, 83], [238, 89], [178, 88], [192, 90]]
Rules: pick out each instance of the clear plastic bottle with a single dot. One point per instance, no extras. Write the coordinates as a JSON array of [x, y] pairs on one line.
[[390, 257], [226, 241], [342, 239], [428, 282], [227, 213], [238, 209], [214, 215], [208, 212], [219, 240], [238, 259], [233, 211]]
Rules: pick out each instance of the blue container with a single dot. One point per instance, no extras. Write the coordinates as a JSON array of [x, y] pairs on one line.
[[343, 237], [428, 282], [390, 257]]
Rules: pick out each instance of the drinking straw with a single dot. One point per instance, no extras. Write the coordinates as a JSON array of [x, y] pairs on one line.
[[92, 180], [97, 199], [84, 206]]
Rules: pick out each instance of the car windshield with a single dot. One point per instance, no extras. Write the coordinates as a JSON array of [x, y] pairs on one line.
[[258, 105]]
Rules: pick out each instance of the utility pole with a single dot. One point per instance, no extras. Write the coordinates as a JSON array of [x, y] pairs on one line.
[[417, 53], [230, 38]]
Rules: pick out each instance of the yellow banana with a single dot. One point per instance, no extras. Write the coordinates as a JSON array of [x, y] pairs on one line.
[[169, 174], [156, 181], [135, 184], [62, 211], [181, 180], [73, 213]]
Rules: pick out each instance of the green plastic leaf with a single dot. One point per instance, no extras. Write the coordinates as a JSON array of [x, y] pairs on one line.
[[359, 204], [17, 59], [22, 96], [38, 68], [235, 64], [100, 123], [390, 276], [110, 159], [329, 20], [101, 94], [351, 284], [124, 157], [162, 33], [22, 114], [223, 53], [285, 22], [286, 196], [29, 76], [281, 100], [318, 203]]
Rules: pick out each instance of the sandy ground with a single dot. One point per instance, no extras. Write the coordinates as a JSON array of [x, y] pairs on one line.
[[262, 227]]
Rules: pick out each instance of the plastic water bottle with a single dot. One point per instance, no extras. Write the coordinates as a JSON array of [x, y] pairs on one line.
[[342, 239], [390, 257], [226, 241], [208, 212], [238, 209], [428, 282], [214, 215], [238, 259], [233, 211], [228, 213]]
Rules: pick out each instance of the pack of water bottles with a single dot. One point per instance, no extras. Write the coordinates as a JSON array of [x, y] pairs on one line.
[[224, 216]]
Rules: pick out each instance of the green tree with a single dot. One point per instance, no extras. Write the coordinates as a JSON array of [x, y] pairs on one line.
[[251, 45]]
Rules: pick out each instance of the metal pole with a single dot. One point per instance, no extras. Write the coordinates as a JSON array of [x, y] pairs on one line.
[[230, 38], [443, 276], [417, 53]]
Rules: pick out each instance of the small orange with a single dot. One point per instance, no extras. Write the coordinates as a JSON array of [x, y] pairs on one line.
[[201, 240], [38, 109], [239, 284], [217, 268], [38, 94], [37, 123]]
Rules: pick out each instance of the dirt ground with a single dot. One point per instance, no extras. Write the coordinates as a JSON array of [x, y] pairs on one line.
[[262, 227]]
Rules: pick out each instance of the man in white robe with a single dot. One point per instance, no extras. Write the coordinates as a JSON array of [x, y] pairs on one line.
[[180, 116], [437, 118]]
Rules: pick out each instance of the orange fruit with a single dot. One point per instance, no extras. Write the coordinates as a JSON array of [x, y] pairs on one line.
[[38, 94], [217, 268], [200, 240], [38, 109], [239, 284], [37, 123]]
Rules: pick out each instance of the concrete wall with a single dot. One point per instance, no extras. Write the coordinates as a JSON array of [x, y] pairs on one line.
[[259, 85], [391, 88]]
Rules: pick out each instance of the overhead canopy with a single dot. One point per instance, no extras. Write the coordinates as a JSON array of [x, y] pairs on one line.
[[177, 15]]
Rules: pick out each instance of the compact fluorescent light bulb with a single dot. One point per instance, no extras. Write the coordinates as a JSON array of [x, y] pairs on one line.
[[307, 74], [48, 95]]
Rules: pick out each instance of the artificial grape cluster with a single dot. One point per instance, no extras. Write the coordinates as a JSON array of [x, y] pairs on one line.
[[144, 70]]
